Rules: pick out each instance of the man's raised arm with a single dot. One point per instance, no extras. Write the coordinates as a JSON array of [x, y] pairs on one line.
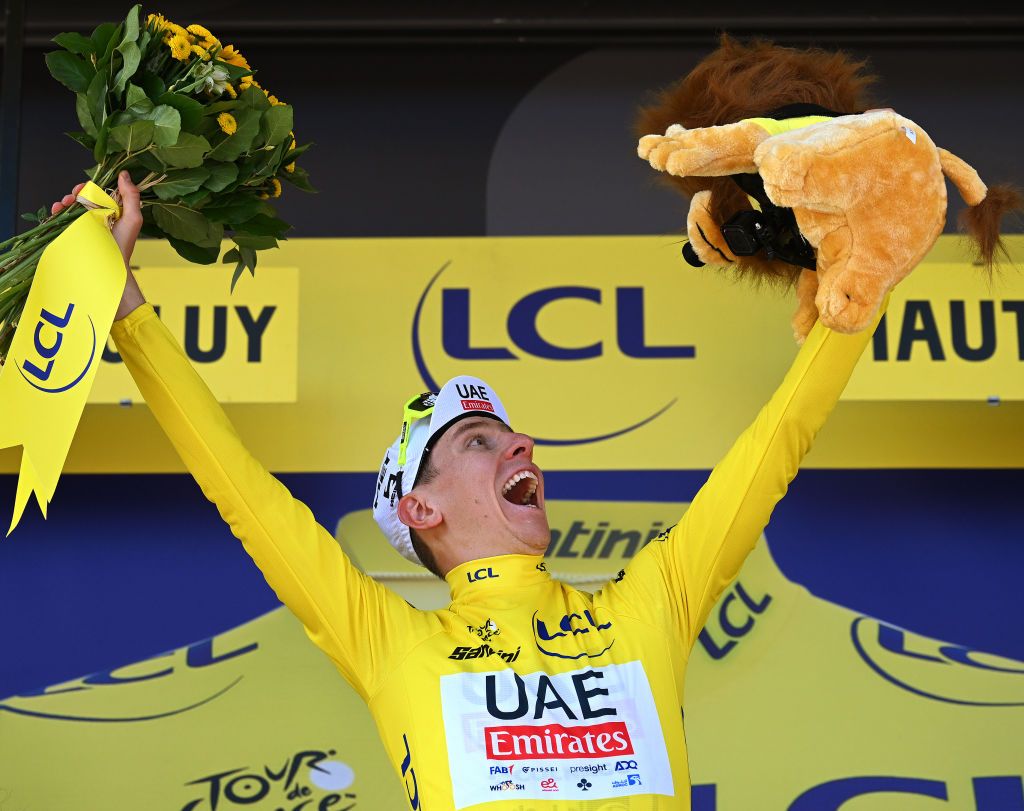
[[344, 612], [680, 577]]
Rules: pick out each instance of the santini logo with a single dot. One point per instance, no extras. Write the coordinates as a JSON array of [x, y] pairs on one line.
[[523, 325]]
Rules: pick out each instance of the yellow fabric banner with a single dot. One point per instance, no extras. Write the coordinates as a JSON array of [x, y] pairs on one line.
[[56, 349], [793, 703]]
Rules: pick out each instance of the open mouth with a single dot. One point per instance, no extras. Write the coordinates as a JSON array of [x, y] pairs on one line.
[[521, 489]]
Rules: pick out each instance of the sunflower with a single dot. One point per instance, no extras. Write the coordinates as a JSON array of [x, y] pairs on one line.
[[181, 48], [227, 123], [289, 168], [175, 30], [209, 40], [230, 91], [232, 57], [201, 52]]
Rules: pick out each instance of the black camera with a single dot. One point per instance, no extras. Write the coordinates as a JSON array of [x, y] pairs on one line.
[[773, 231]]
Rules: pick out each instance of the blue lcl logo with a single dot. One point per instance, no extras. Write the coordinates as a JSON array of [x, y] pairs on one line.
[[522, 326], [47, 340]]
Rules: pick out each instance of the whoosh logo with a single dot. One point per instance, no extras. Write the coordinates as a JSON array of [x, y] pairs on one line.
[[534, 334]]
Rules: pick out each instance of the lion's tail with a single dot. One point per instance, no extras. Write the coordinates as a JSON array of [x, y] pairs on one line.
[[986, 206]]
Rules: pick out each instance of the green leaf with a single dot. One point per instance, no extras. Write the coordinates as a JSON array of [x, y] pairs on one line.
[[112, 43], [194, 253], [85, 115], [99, 152], [234, 145], [252, 98], [151, 162], [266, 164], [168, 124], [235, 72], [239, 208], [131, 55], [244, 257], [254, 241], [186, 153], [294, 153], [190, 110], [97, 98], [75, 43], [134, 94], [275, 124], [222, 175], [196, 199], [72, 72], [233, 256], [154, 87], [187, 225], [299, 178], [86, 140], [248, 256], [131, 24], [31, 216], [221, 107], [132, 137], [180, 182], [101, 37], [262, 225]]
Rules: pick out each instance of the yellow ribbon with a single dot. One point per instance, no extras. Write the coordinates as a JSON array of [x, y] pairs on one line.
[[57, 347]]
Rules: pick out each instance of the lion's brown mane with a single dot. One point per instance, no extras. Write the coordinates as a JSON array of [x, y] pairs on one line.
[[739, 81]]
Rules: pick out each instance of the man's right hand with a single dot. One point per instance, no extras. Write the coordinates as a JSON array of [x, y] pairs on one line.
[[125, 231]]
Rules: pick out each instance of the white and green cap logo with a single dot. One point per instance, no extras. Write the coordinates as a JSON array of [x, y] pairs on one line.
[[426, 417]]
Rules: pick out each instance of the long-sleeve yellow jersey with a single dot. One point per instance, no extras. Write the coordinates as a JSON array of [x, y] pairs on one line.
[[524, 693]]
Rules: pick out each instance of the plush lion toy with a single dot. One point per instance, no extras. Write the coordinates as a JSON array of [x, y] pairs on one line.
[[791, 179]]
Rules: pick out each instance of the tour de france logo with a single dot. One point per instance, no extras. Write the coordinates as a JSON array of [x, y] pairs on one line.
[[59, 362]]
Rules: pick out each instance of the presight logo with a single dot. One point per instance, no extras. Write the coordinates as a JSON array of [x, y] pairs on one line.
[[526, 339], [952, 674], [169, 684], [48, 370]]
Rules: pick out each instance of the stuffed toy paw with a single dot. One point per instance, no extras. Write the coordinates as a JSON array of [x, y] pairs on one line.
[[842, 202]]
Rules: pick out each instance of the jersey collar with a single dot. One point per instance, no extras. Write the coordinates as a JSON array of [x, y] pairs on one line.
[[500, 573]]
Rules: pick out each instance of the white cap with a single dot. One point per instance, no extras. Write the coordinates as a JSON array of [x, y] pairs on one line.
[[462, 396]]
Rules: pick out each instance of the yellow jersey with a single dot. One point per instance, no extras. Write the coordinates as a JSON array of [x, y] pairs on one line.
[[524, 692]]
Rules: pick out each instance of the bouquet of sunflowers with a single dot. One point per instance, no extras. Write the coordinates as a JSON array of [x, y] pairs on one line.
[[206, 144]]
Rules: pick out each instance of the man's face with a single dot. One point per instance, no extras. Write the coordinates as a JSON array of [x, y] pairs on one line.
[[488, 487]]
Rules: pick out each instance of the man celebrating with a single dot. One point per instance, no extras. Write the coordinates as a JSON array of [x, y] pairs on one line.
[[524, 693]]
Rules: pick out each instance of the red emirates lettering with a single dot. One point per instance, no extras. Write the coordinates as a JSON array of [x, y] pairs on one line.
[[556, 741], [477, 405]]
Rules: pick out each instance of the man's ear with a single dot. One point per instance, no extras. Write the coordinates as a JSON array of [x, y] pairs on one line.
[[418, 512]]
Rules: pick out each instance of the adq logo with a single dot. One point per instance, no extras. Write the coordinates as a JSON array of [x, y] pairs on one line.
[[936, 670], [50, 370], [534, 331]]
